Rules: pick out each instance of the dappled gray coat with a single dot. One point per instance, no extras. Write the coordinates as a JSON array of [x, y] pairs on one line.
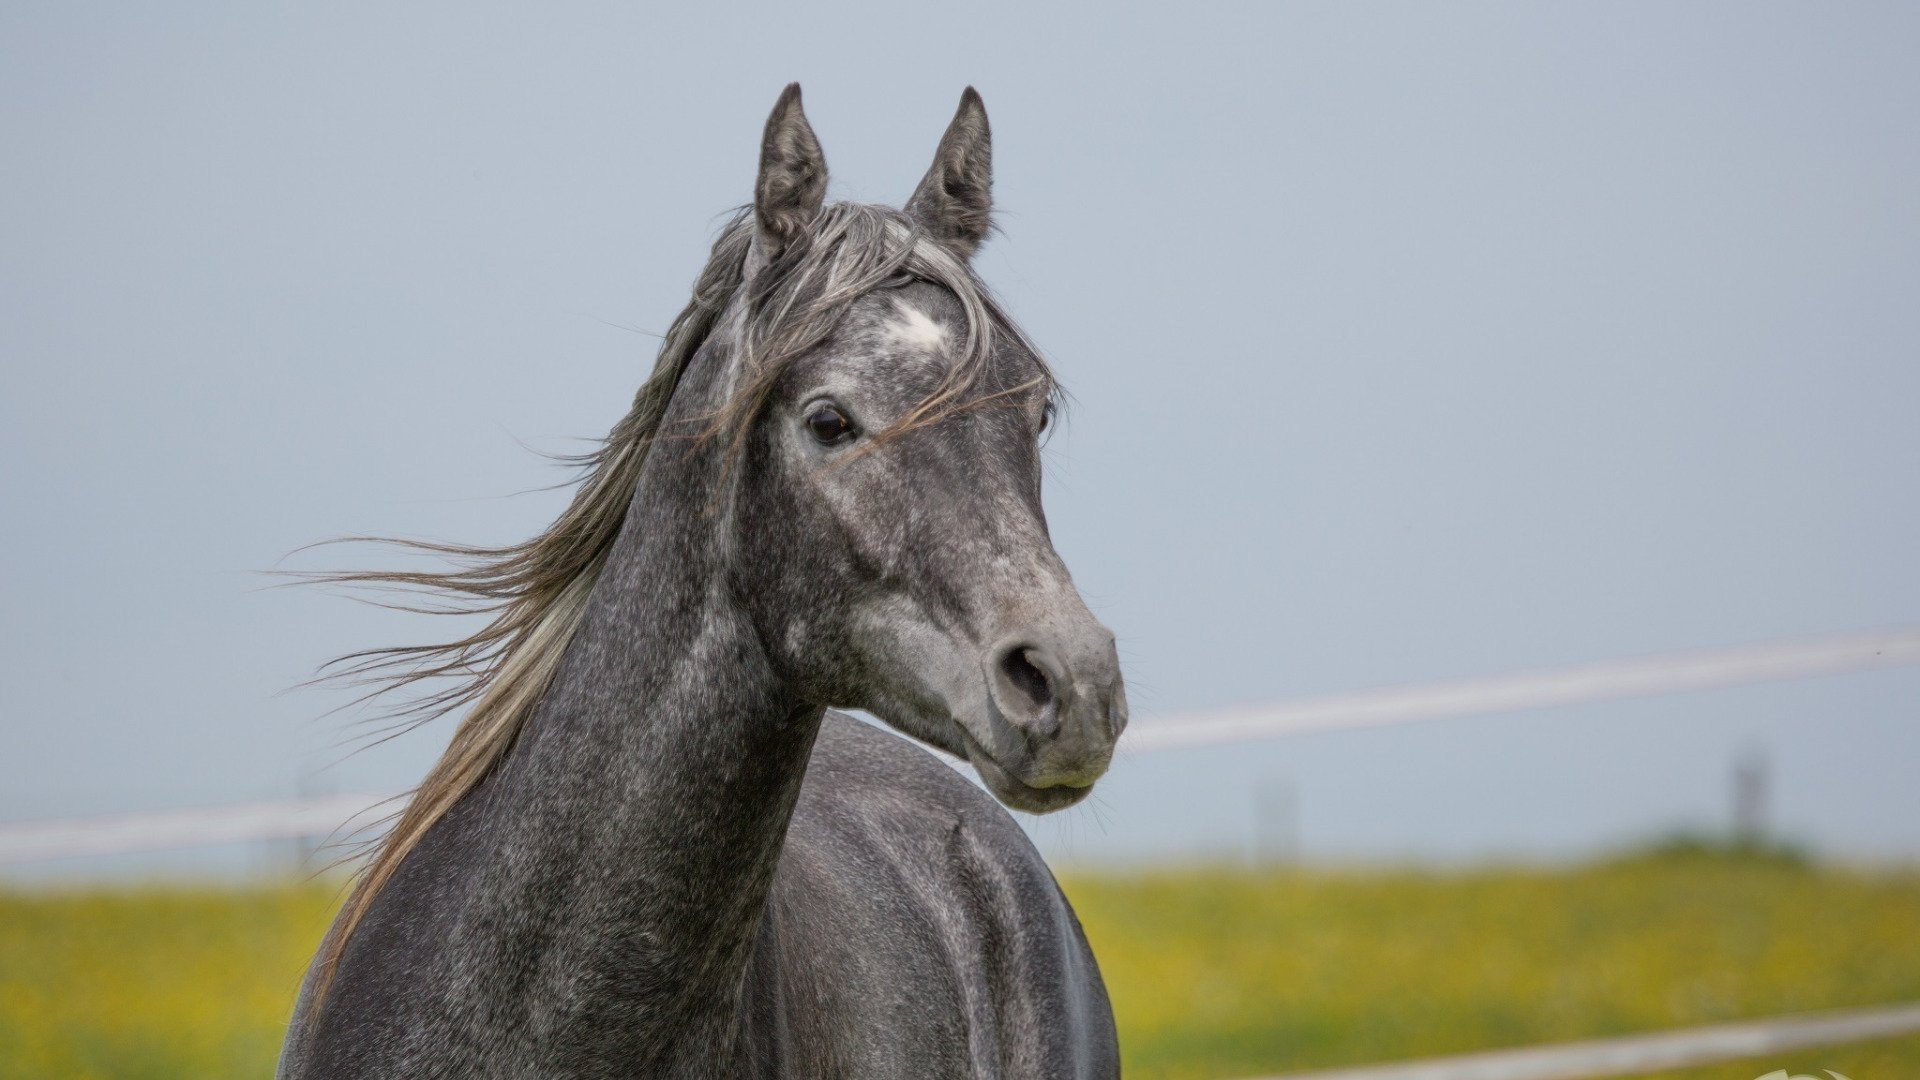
[[649, 850]]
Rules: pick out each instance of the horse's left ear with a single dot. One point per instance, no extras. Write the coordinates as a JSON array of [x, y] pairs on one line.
[[792, 183], [954, 201]]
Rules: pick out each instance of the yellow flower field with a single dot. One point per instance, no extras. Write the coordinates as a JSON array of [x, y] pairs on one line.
[[1214, 973], [1235, 974]]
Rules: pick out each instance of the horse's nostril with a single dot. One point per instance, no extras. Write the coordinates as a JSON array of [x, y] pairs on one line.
[[1030, 690], [1027, 677]]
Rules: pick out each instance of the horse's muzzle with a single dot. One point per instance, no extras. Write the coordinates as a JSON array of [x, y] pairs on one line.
[[1055, 709]]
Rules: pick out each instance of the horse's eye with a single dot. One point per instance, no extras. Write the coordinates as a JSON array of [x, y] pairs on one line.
[[828, 424], [1046, 418]]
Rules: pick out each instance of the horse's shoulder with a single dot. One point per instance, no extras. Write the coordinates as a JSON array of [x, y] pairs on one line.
[[894, 792], [903, 886], [900, 838]]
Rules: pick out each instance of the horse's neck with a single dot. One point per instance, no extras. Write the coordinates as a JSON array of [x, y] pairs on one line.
[[642, 813]]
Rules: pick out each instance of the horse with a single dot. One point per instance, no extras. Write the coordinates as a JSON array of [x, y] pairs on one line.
[[651, 848]]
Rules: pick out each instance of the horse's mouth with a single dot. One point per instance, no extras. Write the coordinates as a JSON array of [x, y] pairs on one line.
[[1014, 792]]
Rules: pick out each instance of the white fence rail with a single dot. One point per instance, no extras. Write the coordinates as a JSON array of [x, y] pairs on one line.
[[1577, 684], [199, 826], [1633, 1054], [1667, 673]]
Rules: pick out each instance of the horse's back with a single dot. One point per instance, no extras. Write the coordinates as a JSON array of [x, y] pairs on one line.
[[913, 930]]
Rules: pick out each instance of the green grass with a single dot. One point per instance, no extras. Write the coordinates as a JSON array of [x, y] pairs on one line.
[[1231, 973], [153, 984], [1213, 973]]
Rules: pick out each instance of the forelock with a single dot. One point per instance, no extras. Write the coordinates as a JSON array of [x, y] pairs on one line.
[[847, 252]]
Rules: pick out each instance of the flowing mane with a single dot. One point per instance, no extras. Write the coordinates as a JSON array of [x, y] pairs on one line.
[[536, 591]]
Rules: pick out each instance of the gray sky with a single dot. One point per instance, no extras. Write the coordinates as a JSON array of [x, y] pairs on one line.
[[1407, 342]]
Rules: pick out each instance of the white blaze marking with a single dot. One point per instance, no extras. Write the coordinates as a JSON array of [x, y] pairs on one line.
[[916, 328]]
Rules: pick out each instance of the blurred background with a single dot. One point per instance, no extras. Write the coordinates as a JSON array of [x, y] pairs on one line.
[[1406, 343]]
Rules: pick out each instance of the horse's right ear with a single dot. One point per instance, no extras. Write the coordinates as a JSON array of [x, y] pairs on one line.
[[793, 178]]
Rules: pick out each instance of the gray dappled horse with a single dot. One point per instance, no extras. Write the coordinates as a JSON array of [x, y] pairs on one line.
[[649, 851]]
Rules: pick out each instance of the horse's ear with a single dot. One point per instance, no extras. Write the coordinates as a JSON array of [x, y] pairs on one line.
[[954, 201], [793, 176]]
